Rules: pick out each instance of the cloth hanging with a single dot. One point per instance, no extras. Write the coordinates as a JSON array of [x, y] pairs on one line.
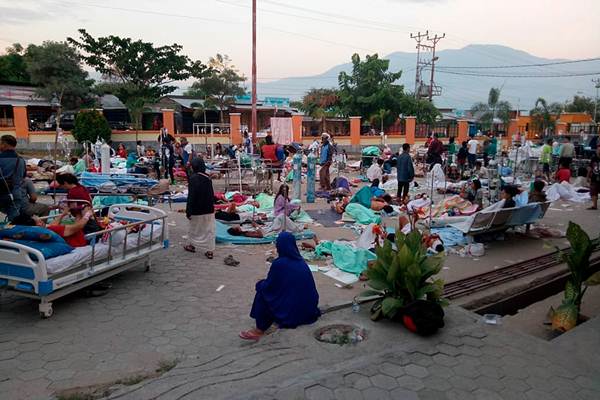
[[281, 130]]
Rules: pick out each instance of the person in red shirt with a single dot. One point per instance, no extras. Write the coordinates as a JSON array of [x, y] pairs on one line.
[[72, 233], [269, 150], [75, 190], [122, 151], [563, 174]]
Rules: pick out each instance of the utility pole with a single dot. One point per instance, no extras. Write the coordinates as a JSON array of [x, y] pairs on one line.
[[434, 40], [254, 114], [419, 38], [597, 82]]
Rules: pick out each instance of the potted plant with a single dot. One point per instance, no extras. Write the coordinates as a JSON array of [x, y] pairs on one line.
[[402, 275], [566, 316]]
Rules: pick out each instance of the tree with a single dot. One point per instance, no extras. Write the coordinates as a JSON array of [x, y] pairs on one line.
[[221, 83], [139, 71], [56, 69], [581, 104], [90, 125], [321, 104], [544, 116], [424, 111], [200, 108], [370, 88], [12, 65], [494, 108]]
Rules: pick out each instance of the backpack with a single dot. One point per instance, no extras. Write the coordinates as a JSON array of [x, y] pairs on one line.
[[7, 183]]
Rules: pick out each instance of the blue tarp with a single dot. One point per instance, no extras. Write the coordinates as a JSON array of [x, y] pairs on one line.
[[89, 179]]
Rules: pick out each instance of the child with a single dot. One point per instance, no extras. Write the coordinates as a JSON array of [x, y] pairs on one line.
[[200, 210], [453, 173], [537, 195], [563, 174]]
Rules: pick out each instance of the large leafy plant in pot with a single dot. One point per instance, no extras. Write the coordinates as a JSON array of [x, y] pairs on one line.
[[403, 275], [565, 317]]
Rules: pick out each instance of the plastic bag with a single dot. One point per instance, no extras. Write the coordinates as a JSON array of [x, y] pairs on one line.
[[476, 249]]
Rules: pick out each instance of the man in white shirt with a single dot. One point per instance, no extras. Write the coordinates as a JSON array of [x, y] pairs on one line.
[[472, 145], [375, 171], [314, 147]]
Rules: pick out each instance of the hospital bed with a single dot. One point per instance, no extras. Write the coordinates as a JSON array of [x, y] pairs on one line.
[[25, 272]]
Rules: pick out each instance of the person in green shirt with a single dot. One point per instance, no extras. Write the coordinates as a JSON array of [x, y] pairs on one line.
[[452, 150], [546, 157], [492, 148]]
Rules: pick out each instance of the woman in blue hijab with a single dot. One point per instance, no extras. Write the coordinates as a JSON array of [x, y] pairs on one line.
[[288, 296]]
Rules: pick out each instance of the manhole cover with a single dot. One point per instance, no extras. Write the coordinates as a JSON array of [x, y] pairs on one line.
[[341, 334]]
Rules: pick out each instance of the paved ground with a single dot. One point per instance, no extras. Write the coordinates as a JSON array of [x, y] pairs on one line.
[[173, 312]]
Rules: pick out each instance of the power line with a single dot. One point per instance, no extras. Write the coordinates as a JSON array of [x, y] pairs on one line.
[[520, 76], [522, 65]]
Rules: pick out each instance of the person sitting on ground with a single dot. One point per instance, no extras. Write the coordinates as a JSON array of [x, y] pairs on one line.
[[73, 233], [508, 193], [282, 204], [375, 171], [30, 206], [537, 194], [453, 174], [563, 174], [376, 190], [121, 151], [581, 180], [288, 296], [474, 193], [480, 170]]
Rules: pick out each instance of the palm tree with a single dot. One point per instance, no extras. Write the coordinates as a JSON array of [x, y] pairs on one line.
[[200, 109], [494, 108], [544, 116], [380, 116], [321, 104]]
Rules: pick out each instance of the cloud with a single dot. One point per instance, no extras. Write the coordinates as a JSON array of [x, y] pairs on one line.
[[27, 11]]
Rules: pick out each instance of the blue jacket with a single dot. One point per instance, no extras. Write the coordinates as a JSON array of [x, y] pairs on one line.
[[326, 154], [405, 168], [11, 165]]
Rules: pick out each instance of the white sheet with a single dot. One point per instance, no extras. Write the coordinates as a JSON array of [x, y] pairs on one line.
[[81, 255], [567, 192]]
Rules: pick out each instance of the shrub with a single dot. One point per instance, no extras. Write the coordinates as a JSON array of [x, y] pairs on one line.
[[91, 125]]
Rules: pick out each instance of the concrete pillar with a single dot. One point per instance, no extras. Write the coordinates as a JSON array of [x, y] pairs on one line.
[[169, 120], [297, 128], [235, 121], [411, 128], [355, 131], [513, 127], [463, 131], [21, 122]]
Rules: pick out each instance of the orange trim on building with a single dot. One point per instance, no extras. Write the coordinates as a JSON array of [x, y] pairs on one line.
[[235, 121], [297, 128], [463, 131], [169, 120], [21, 122], [411, 128], [355, 131]]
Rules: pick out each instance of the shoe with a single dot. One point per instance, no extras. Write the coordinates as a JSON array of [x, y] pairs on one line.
[[232, 262]]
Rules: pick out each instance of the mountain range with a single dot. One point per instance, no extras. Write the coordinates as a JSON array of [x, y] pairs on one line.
[[460, 91]]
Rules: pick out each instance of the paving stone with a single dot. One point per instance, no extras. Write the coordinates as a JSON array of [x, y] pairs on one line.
[[470, 350], [492, 384], [357, 381], [459, 394], [403, 394], [448, 349], [436, 383], [441, 371], [416, 370], [60, 374], [33, 374], [460, 382], [391, 369], [410, 382], [318, 392], [471, 341], [445, 360], [511, 394], [515, 384], [587, 394], [332, 382], [374, 393], [384, 381], [428, 394], [485, 394], [587, 383], [535, 394], [348, 394]]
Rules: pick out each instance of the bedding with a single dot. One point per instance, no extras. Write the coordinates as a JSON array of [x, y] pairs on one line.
[[224, 237]]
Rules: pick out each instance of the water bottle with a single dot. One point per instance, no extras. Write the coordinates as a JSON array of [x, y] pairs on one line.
[[355, 306]]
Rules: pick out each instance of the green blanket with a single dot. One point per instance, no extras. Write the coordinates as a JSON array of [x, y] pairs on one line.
[[362, 214], [363, 197], [351, 259], [371, 151], [265, 202]]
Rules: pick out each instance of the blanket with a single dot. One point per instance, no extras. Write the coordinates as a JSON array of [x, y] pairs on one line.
[[224, 237], [361, 214]]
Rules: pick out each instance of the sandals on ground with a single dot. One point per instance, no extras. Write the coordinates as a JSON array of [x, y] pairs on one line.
[[190, 248], [209, 255], [250, 335], [232, 262]]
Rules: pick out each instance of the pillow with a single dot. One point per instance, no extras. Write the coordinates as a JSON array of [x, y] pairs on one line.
[[48, 249], [30, 233]]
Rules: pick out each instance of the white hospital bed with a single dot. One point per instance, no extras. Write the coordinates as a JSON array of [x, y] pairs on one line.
[[25, 272]]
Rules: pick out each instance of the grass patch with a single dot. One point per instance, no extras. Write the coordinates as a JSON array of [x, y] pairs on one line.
[[166, 365], [132, 380]]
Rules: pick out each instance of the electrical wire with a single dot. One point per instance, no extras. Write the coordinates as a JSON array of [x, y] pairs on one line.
[[519, 76], [521, 65]]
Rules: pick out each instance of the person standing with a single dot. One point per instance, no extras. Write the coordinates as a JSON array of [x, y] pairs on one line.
[[247, 143], [473, 145], [594, 178], [493, 147], [567, 152], [435, 151], [325, 161], [546, 158], [140, 149], [200, 210], [405, 171], [452, 150], [12, 172]]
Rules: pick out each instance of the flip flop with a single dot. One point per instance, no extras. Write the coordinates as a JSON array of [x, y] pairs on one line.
[[209, 255], [250, 335], [190, 248], [232, 262]]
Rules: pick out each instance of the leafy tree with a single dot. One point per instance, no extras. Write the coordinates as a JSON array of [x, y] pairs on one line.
[[581, 104], [134, 99], [424, 110], [12, 65], [90, 125], [494, 108], [138, 71], [200, 108], [220, 84], [370, 87], [321, 104], [544, 116], [56, 69]]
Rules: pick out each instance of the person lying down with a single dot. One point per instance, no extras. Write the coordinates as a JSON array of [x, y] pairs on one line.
[[366, 198], [280, 223]]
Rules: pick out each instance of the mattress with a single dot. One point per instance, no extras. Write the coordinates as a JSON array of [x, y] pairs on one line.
[[81, 255]]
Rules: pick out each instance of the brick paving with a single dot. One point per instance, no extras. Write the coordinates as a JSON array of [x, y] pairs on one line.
[[173, 312]]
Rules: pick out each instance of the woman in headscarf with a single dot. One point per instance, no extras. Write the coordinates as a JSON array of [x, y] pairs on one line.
[[288, 296], [200, 210]]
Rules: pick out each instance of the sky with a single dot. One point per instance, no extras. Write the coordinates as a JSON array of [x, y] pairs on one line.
[[297, 38]]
